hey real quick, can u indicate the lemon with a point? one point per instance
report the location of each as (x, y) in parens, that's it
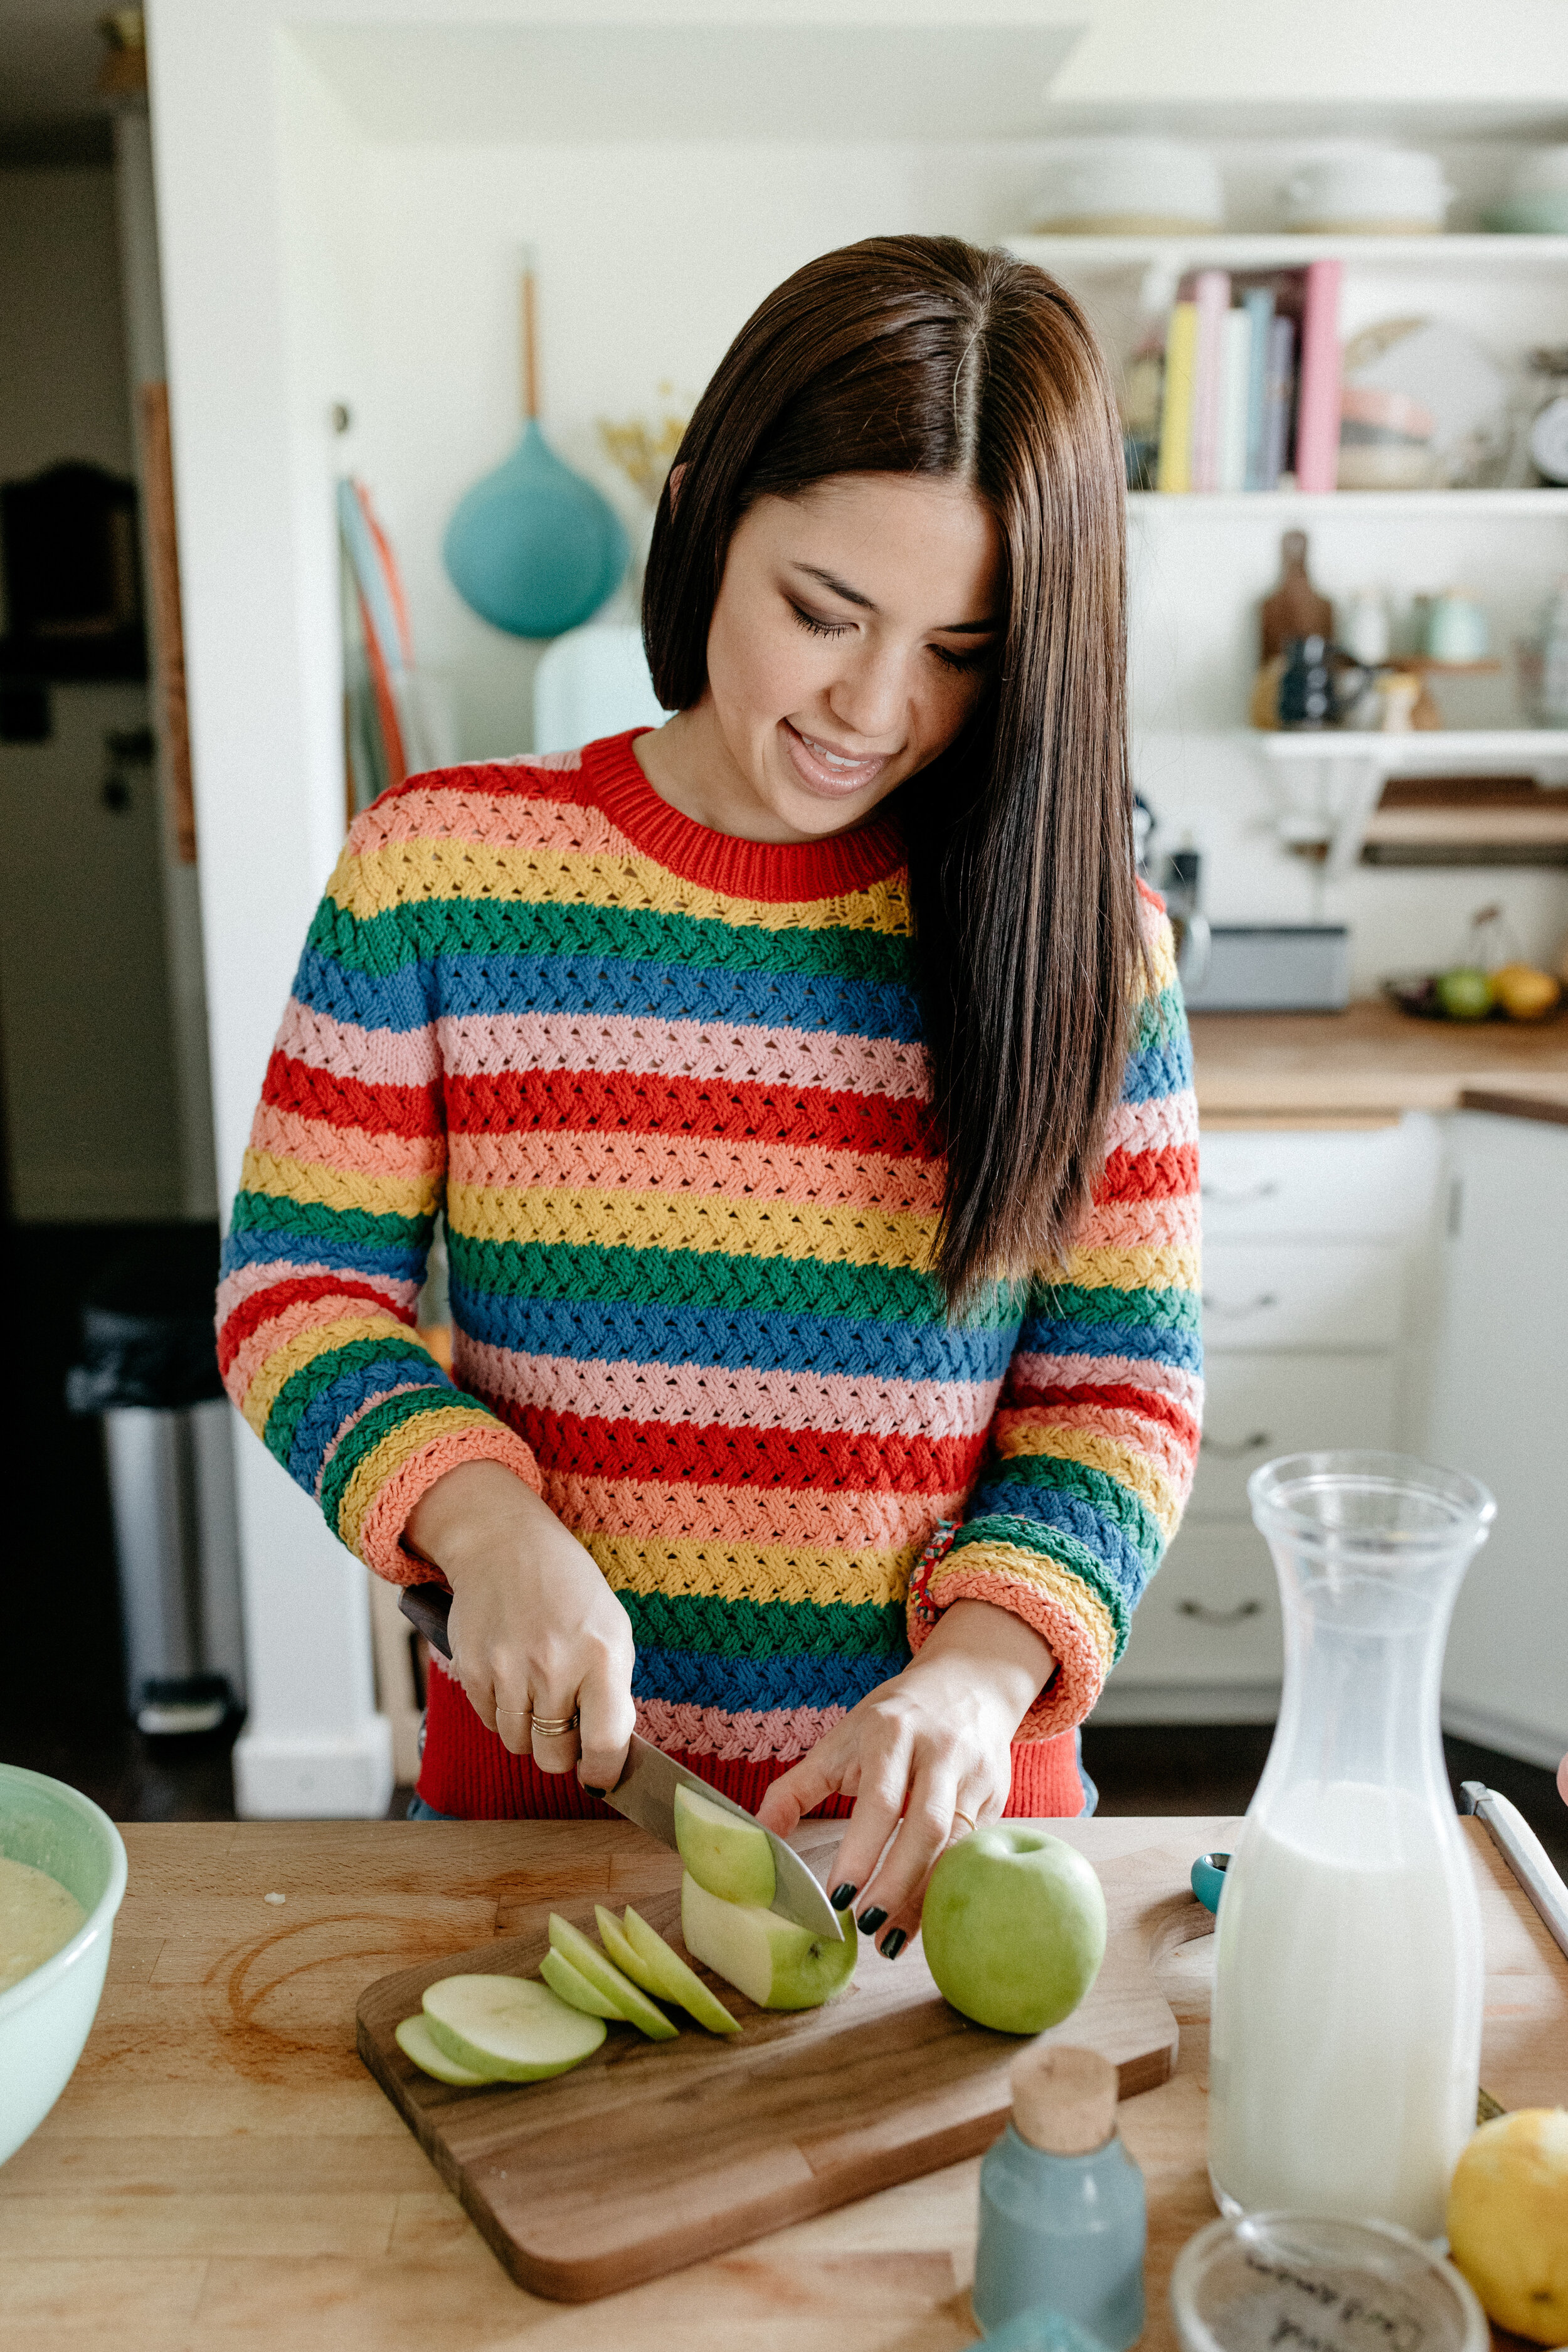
(1508, 2221)
(1524, 993)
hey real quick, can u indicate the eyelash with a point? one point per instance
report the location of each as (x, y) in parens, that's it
(841, 628)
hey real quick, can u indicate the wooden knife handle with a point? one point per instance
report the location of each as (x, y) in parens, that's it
(428, 1608)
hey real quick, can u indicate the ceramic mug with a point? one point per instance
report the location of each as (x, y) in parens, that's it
(1457, 628)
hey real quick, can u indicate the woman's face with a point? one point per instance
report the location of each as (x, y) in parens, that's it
(852, 637)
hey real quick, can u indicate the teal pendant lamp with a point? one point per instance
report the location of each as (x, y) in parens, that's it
(534, 548)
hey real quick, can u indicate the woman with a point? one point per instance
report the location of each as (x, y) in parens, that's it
(808, 1092)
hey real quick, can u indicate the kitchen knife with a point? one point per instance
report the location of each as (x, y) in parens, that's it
(1523, 1852)
(645, 1793)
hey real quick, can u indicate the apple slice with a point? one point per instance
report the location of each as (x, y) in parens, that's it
(570, 1985)
(631, 2001)
(416, 2041)
(770, 1959)
(660, 1970)
(507, 2030)
(727, 1857)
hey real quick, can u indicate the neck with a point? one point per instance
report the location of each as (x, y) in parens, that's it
(689, 764)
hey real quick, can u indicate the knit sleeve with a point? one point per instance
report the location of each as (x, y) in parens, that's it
(326, 1249)
(1096, 1434)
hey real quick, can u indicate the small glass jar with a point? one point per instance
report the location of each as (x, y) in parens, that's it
(1345, 2286)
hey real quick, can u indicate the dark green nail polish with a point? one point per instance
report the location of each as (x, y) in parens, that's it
(871, 1920)
(892, 1945)
(842, 1896)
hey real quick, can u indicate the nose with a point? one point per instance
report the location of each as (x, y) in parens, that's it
(868, 696)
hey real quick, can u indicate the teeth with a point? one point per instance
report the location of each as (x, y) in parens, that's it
(834, 759)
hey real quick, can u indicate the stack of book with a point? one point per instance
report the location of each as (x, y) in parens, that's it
(1251, 387)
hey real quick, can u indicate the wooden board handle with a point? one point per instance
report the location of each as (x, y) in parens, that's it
(530, 350)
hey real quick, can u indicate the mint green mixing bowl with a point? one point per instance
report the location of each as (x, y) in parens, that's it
(45, 2019)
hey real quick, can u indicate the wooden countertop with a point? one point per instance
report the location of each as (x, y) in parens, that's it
(1368, 1066)
(222, 2172)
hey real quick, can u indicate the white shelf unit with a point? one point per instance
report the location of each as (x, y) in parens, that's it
(1217, 249)
(1293, 506)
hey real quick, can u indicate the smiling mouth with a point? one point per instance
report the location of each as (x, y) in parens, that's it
(824, 769)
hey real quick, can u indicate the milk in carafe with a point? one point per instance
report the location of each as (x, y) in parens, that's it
(1347, 2021)
(1347, 2008)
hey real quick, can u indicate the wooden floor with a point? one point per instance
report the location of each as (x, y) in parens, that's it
(63, 1706)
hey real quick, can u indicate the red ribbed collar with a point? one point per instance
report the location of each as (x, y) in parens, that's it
(777, 871)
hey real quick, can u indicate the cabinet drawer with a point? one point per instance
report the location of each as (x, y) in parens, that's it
(1338, 1186)
(1211, 1615)
(1259, 1406)
(1301, 1295)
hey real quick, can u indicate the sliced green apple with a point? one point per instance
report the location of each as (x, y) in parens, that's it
(630, 1999)
(416, 2041)
(661, 1970)
(508, 2030)
(770, 1959)
(727, 1857)
(570, 1985)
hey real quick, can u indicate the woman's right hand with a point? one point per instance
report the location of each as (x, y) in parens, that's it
(535, 1630)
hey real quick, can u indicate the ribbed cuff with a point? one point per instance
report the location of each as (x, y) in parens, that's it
(380, 1542)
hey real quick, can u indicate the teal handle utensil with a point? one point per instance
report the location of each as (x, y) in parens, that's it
(534, 548)
(1208, 1878)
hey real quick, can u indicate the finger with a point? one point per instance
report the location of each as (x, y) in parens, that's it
(925, 1833)
(512, 1726)
(817, 1776)
(555, 1751)
(481, 1697)
(607, 1721)
(884, 1780)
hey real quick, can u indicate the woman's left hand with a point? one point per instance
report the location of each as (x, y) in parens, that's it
(926, 1757)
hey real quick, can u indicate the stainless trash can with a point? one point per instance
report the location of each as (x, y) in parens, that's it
(148, 1371)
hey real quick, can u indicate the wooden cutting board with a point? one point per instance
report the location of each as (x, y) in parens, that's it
(653, 2155)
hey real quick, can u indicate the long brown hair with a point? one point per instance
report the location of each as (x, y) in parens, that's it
(925, 355)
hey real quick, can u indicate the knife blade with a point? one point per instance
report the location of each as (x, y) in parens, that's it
(645, 1793)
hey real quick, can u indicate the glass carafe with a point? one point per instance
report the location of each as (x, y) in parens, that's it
(1348, 1977)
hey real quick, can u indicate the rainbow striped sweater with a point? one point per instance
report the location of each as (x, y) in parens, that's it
(670, 1090)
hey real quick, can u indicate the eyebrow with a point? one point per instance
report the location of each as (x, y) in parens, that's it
(853, 597)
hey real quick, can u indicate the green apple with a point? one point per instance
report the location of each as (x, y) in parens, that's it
(415, 2040)
(508, 2030)
(659, 1969)
(630, 2001)
(770, 1959)
(1466, 993)
(1014, 1928)
(730, 1858)
(570, 1985)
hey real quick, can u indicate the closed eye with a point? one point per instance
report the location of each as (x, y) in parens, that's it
(976, 660)
(809, 622)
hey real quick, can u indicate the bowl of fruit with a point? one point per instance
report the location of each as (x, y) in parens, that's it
(1487, 981)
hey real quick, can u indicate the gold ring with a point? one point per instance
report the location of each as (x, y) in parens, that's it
(554, 1726)
(962, 1817)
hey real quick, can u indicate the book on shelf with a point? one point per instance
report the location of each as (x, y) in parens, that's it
(1252, 380)
(1257, 302)
(1318, 394)
(1211, 298)
(1174, 469)
(1236, 372)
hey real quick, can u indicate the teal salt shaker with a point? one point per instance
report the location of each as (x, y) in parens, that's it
(1062, 2218)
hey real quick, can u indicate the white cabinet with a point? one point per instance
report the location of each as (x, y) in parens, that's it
(1500, 1410)
(1317, 1262)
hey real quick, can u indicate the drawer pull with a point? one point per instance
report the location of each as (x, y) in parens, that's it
(1241, 1196)
(1207, 1616)
(1253, 1444)
(1265, 1299)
